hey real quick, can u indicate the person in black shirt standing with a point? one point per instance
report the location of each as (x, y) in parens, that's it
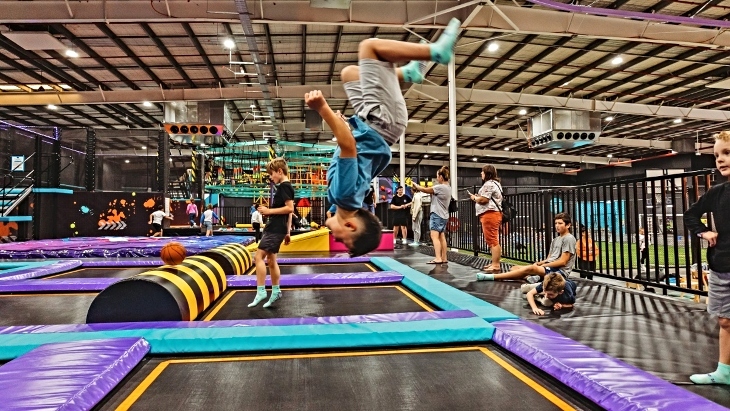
(277, 231)
(714, 201)
(401, 203)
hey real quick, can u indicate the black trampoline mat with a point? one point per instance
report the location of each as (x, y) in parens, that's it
(318, 302)
(321, 268)
(44, 309)
(102, 272)
(470, 378)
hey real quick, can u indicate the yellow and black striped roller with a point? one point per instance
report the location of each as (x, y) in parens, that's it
(171, 293)
(234, 258)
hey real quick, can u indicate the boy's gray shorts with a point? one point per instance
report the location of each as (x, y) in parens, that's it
(719, 294)
(377, 98)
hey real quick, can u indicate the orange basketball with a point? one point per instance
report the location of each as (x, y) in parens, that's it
(173, 253)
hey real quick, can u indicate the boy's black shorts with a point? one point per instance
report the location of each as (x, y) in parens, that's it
(271, 242)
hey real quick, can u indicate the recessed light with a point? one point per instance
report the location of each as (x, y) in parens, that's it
(617, 60)
(677, 120)
(71, 53)
(493, 46)
(506, 149)
(126, 161)
(52, 107)
(229, 44)
(523, 112)
(144, 147)
(609, 118)
(147, 104)
(610, 155)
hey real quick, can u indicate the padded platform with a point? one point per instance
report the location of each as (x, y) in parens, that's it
(61, 284)
(35, 269)
(69, 375)
(442, 295)
(608, 382)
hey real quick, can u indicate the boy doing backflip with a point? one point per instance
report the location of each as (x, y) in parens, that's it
(380, 119)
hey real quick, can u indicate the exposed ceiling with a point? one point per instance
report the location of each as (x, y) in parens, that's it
(135, 51)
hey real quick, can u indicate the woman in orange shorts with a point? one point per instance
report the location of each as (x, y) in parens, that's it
(488, 203)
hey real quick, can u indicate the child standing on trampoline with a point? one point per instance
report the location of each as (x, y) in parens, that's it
(380, 120)
(714, 201)
(276, 232)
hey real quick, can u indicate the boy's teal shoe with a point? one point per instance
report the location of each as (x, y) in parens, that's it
(443, 48)
(273, 299)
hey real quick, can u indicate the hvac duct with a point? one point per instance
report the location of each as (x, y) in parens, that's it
(558, 128)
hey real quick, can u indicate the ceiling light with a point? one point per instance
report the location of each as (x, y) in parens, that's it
(523, 112)
(517, 162)
(126, 161)
(147, 104)
(72, 53)
(555, 152)
(253, 105)
(144, 147)
(425, 156)
(677, 120)
(609, 118)
(617, 60)
(448, 144)
(566, 83)
(496, 117)
(506, 149)
(562, 165)
(334, 138)
(674, 152)
(474, 159)
(229, 43)
(493, 46)
(52, 107)
(698, 153)
(171, 160)
(610, 155)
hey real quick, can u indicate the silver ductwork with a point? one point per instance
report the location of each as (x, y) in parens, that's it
(559, 128)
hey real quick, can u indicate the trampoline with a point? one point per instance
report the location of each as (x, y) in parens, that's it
(100, 272)
(319, 302)
(49, 309)
(454, 378)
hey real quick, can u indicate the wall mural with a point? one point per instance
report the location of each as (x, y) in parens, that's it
(106, 214)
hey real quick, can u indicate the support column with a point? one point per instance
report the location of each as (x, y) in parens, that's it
(90, 160)
(54, 166)
(402, 165)
(163, 162)
(200, 176)
(453, 163)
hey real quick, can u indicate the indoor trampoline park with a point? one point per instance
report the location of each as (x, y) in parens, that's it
(521, 211)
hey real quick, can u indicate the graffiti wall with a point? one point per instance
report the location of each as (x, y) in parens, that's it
(101, 214)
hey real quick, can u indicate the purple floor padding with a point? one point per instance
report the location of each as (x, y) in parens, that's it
(345, 319)
(60, 284)
(35, 272)
(123, 262)
(323, 260)
(367, 277)
(610, 383)
(112, 247)
(68, 376)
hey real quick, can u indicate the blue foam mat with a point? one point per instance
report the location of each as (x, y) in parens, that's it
(442, 295)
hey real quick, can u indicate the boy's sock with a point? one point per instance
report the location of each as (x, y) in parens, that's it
(443, 48)
(414, 71)
(275, 295)
(260, 296)
(720, 376)
(485, 277)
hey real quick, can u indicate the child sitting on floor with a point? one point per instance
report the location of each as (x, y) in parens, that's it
(558, 293)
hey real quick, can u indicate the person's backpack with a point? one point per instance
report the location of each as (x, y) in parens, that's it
(453, 207)
(509, 212)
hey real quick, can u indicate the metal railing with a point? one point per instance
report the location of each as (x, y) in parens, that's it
(612, 214)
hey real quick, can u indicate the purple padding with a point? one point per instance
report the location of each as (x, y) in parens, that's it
(345, 319)
(367, 277)
(124, 262)
(68, 376)
(35, 272)
(60, 284)
(610, 383)
(112, 247)
(324, 260)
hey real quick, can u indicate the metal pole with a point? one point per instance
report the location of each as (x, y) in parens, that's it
(452, 129)
(402, 165)
(90, 160)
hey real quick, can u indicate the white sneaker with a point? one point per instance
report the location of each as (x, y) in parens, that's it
(414, 244)
(405, 241)
(525, 288)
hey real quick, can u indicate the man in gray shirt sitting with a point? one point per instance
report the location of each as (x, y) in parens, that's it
(560, 258)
